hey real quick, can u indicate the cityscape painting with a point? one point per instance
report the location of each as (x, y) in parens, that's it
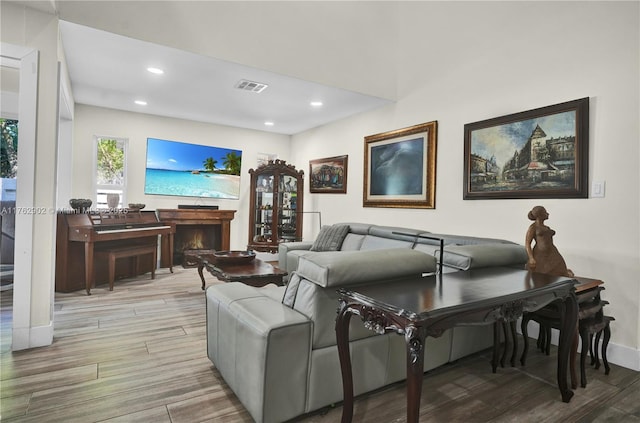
(540, 153)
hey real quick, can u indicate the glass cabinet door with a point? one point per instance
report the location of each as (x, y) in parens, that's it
(287, 201)
(263, 212)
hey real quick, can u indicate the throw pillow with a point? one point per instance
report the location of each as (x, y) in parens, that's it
(330, 238)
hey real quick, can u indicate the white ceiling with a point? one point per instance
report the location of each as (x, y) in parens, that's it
(109, 70)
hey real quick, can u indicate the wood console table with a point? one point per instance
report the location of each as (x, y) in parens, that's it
(421, 307)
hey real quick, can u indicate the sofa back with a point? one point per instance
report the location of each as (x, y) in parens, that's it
(460, 252)
(374, 237)
(312, 289)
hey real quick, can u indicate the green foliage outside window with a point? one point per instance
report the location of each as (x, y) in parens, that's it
(110, 162)
(9, 148)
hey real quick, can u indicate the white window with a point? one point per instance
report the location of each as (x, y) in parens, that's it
(110, 165)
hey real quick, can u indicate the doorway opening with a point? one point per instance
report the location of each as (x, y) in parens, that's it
(10, 87)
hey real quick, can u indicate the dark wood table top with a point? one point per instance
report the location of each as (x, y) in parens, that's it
(251, 269)
(586, 283)
(234, 271)
(425, 298)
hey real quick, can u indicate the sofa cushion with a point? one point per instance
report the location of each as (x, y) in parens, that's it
(371, 242)
(338, 268)
(330, 238)
(352, 242)
(465, 257)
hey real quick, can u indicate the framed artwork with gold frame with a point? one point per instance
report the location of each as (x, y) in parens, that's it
(400, 168)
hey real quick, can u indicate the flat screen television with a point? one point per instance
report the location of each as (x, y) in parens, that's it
(192, 170)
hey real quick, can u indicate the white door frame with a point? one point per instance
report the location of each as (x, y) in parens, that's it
(25, 191)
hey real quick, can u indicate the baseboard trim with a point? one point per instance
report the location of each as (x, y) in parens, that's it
(38, 336)
(620, 355)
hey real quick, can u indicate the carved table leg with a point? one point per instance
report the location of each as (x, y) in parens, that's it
(605, 343)
(547, 339)
(514, 338)
(496, 345)
(342, 338)
(584, 334)
(568, 327)
(524, 327)
(506, 342)
(593, 349)
(415, 371)
(572, 361)
(200, 267)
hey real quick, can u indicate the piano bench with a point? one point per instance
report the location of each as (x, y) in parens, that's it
(112, 254)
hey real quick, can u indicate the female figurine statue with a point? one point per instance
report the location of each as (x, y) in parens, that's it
(544, 256)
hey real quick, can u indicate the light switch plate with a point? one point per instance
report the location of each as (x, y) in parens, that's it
(597, 189)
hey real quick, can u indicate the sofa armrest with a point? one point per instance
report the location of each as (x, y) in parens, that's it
(261, 348)
(285, 247)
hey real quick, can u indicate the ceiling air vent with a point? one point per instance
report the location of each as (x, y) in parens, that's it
(254, 87)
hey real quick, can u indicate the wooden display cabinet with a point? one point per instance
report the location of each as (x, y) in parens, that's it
(276, 205)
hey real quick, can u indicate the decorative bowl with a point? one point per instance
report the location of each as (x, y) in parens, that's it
(136, 206)
(234, 257)
(80, 203)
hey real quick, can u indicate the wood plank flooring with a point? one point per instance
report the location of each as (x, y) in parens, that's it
(138, 354)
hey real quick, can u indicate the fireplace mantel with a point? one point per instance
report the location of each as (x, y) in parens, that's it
(182, 217)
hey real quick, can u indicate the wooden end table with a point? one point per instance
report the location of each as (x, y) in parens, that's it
(254, 273)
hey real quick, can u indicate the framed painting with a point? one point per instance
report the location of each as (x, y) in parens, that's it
(540, 153)
(400, 168)
(328, 175)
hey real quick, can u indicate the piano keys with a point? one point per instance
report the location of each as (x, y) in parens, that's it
(79, 235)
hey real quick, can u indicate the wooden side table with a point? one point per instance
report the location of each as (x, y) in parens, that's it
(591, 321)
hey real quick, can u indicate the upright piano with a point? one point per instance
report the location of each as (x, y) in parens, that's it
(80, 234)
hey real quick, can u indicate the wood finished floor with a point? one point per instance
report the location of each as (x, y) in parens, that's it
(138, 354)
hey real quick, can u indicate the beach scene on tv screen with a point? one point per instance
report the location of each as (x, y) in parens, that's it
(192, 170)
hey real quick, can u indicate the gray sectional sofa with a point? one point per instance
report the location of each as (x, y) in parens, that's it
(460, 252)
(275, 346)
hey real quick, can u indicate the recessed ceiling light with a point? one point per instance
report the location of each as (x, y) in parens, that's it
(157, 71)
(141, 102)
(316, 104)
(269, 123)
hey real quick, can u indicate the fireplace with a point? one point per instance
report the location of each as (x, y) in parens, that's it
(196, 229)
(195, 237)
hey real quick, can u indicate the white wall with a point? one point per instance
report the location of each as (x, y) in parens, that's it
(464, 62)
(90, 121)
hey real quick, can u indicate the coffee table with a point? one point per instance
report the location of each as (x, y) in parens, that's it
(254, 273)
